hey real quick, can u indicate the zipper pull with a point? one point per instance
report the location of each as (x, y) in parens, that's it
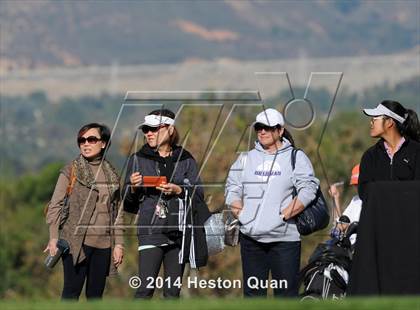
(392, 170)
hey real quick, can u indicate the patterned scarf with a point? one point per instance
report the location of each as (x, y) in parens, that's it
(84, 174)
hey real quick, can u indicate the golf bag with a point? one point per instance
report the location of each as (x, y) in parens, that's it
(326, 275)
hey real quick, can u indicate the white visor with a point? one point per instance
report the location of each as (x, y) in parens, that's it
(383, 110)
(156, 120)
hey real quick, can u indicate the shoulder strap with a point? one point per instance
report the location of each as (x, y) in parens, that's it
(72, 181)
(293, 157)
(69, 188)
(293, 162)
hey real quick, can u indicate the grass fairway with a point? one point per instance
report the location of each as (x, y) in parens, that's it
(224, 304)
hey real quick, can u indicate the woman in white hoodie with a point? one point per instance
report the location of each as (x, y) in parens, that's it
(259, 191)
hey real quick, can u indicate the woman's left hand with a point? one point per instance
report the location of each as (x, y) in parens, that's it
(293, 209)
(170, 189)
(118, 255)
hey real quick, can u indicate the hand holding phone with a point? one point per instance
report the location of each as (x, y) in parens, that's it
(169, 188)
(154, 181)
(136, 179)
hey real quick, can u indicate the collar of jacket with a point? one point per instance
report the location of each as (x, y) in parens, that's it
(178, 153)
(85, 175)
(286, 145)
(380, 144)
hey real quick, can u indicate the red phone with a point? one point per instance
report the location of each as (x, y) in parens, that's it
(154, 181)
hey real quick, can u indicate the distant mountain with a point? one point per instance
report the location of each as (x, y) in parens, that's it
(45, 33)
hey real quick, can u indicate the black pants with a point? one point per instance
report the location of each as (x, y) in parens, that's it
(94, 269)
(258, 259)
(150, 261)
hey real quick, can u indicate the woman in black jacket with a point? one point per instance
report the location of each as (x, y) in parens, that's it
(166, 209)
(396, 156)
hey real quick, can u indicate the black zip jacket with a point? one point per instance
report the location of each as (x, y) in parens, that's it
(377, 166)
(153, 230)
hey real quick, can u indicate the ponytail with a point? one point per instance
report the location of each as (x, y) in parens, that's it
(288, 136)
(411, 126)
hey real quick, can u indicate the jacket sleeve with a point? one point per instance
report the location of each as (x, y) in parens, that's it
(56, 202)
(234, 183)
(198, 198)
(119, 229)
(417, 176)
(304, 179)
(131, 196)
(365, 176)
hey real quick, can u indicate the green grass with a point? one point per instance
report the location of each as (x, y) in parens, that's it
(225, 304)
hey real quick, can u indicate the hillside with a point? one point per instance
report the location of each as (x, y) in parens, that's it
(74, 33)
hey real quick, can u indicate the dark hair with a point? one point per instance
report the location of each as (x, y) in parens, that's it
(103, 130)
(411, 127)
(174, 138)
(287, 135)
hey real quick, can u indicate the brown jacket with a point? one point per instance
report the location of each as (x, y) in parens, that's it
(82, 202)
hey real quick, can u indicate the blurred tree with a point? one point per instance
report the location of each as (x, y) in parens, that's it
(31, 150)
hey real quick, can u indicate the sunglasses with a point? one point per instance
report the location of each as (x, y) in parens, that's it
(375, 118)
(90, 140)
(146, 129)
(259, 127)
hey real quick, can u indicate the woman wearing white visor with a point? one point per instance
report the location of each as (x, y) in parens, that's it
(160, 187)
(396, 156)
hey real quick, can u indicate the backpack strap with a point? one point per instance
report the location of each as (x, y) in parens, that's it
(293, 157)
(293, 162)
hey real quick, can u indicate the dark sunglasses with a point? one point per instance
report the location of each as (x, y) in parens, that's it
(259, 127)
(146, 129)
(90, 140)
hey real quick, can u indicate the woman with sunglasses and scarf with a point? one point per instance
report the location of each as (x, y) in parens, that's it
(396, 156)
(259, 191)
(86, 222)
(161, 185)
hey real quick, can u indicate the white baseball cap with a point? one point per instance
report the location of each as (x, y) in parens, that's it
(383, 110)
(156, 120)
(270, 117)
